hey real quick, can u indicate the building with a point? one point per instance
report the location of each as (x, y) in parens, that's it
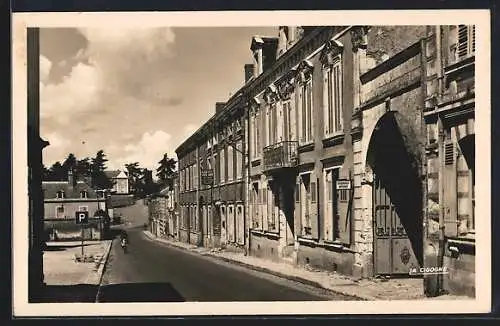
(343, 129)
(450, 159)
(120, 181)
(35, 163)
(162, 214)
(62, 199)
(211, 179)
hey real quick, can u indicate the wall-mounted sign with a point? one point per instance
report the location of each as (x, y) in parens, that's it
(343, 184)
(207, 177)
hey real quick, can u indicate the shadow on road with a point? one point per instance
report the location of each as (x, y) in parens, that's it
(63, 247)
(67, 293)
(139, 292)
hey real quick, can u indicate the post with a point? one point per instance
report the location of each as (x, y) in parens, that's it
(82, 243)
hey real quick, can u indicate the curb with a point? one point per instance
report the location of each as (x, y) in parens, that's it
(102, 267)
(269, 271)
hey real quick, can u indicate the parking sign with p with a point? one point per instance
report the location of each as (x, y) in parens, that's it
(82, 217)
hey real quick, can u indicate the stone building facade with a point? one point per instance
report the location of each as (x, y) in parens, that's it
(450, 159)
(62, 199)
(344, 128)
(211, 180)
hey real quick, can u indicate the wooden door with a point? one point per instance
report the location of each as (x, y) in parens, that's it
(393, 251)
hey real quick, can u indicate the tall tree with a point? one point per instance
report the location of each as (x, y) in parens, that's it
(84, 167)
(70, 162)
(98, 166)
(166, 171)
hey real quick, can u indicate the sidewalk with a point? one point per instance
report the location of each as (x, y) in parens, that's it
(70, 280)
(393, 289)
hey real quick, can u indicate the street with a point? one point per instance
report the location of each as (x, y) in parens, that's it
(155, 272)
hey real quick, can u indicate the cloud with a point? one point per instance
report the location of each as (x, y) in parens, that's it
(45, 66)
(147, 151)
(117, 65)
(58, 148)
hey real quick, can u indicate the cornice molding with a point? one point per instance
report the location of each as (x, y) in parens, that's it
(304, 71)
(330, 51)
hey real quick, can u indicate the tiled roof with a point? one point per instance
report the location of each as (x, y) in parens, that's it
(112, 173)
(50, 189)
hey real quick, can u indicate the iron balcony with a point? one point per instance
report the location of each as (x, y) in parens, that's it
(280, 155)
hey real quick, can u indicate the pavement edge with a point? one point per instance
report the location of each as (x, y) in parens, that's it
(268, 271)
(102, 267)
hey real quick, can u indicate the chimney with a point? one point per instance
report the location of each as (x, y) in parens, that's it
(71, 178)
(264, 52)
(219, 106)
(248, 72)
(282, 40)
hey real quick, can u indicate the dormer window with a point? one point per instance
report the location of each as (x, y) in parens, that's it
(83, 194)
(60, 194)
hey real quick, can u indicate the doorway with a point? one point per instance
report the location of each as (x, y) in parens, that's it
(396, 198)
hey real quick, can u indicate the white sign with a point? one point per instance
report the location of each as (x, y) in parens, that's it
(343, 184)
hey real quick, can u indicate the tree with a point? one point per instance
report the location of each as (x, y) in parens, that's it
(98, 166)
(84, 167)
(46, 173)
(70, 162)
(166, 171)
(134, 175)
(57, 172)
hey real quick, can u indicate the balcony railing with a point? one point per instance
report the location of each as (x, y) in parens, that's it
(281, 155)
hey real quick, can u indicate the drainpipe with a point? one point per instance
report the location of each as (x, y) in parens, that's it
(246, 157)
(439, 60)
(441, 205)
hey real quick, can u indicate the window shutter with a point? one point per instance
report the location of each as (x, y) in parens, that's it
(462, 40)
(297, 213)
(313, 213)
(450, 190)
(344, 200)
(263, 208)
(328, 218)
(473, 38)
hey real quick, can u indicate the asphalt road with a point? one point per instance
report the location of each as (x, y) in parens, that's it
(155, 272)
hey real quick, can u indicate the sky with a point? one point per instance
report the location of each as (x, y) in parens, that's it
(138, 93)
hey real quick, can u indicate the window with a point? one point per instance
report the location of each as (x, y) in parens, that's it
(255, 135)
(60, 194)
(289, 121)
(195, 176)
(60, 211)
(332, 98)
(83, 194)
(273, 209)
(239, 159)
(230, 163)
(255, 199)
(272, 124)
(216, 168)
(222, 166)
(466, 45)
(305, 112)
(305, 204)
(331, 213)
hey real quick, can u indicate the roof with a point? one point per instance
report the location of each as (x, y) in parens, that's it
(51, 188)
(115, 201)
(112, 173)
